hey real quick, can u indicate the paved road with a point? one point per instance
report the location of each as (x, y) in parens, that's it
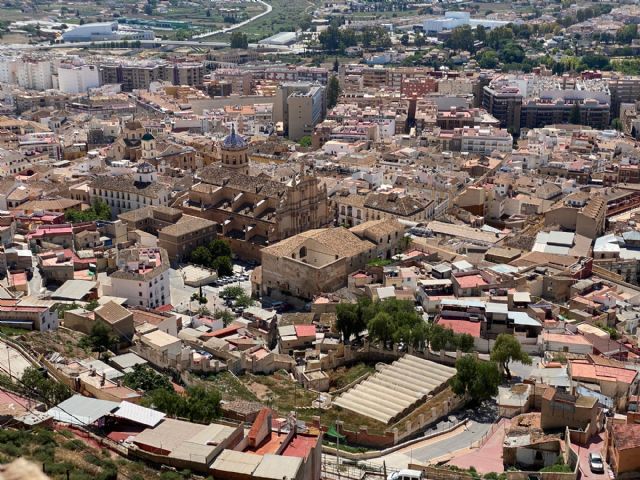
(596, 445)
(481, 420)
(237, 25)
(143, 44)
(11, 361)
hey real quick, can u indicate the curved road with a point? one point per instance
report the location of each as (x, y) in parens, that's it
(238, 25)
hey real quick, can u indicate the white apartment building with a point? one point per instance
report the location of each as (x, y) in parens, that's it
(485, 140)
(35, 74)
(130, 192)
(142, 277)
(9, 70)
(77, 78)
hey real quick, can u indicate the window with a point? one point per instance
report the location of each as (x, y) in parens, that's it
(139, 294)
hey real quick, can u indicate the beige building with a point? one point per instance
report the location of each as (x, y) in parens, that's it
(355, 209)
(254, 211)
(177, 233)
(584, 214)
(320, 260)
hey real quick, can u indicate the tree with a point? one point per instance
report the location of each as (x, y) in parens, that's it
(626, 34)
(419, 40)
(225, 315)
(219, 248)
(380, 327)
(232, 292)
(479, 380)
(617, 124)
(346, 319)
(481, 33)
(305, 141)
(574, 116)
(98, 211)
(200, 256)
(506, 350)
(92, 305)
(333, 92)
(101, 338)
(239, 40)
(144, 378)
(208, 12)
(223, 266)
(36, 382)
(404, 39)
(148, 9)
(336, 65)
(198, 405)
(461, 38)
(488, 59)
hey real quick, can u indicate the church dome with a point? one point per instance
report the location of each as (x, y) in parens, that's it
(147, 137)
(233, 140)
(145, 167)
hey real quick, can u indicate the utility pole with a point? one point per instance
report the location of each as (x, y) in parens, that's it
(337, 450)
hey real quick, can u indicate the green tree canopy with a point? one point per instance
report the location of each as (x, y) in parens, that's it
(98, 211)
(507, 349)
(239, 40)
(198, 405)
(100, 339)
(36, 383)
(461, 38)
(333, 91)
(479, 380)
(145, 378)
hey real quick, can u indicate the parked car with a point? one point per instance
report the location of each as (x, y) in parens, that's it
(595, 463)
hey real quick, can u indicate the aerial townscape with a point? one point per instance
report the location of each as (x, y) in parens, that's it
(305, 240)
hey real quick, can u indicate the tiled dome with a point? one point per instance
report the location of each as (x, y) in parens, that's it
(234, 140)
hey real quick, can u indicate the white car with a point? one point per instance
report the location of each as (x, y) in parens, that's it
(406, 475)
(596, 464)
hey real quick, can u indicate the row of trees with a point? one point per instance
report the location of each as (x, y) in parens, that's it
(239, 40)
(335, 39)
(396, 322)
(216, 255)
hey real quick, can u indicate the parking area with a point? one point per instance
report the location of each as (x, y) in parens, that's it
(181, 294)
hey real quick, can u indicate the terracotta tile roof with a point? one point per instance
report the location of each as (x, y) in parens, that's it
(626, 436)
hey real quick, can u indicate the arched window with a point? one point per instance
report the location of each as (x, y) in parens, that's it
(303, 252)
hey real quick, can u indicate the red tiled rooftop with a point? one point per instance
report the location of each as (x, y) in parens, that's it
(223, 332)
(566, 338)
(471, 281)
(461, 326)
(305, 330)
(300, 446)
(626, 436)
(583, 369)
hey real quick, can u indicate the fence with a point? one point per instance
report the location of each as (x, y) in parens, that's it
(487, 435)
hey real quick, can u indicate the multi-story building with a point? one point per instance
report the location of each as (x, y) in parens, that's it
(534, 102)
(142, 277)
(177, 233)
(356, 209)
(34, 74)
(77, 78)
(130, 192)
(309, 108)
(306, 109)
(140, 75)
(480, 140)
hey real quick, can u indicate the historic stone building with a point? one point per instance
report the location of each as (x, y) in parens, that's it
(254, 211)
